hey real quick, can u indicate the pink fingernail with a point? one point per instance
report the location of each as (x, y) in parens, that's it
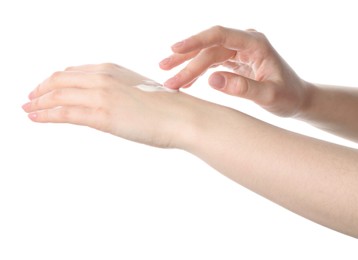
(33, 116)
(26, 106)
(165, 61)
(178, 44)
(172, 82)
(217, 81)
(32, 95)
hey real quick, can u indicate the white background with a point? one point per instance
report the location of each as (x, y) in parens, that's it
(69, 192)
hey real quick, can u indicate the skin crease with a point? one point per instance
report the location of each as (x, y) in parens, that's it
(264, 158)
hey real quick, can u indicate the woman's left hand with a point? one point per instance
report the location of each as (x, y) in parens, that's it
(103, 97)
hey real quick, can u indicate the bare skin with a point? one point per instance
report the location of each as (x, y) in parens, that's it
(261, 75)
(266, 159)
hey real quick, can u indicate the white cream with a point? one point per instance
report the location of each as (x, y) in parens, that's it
(152, 86)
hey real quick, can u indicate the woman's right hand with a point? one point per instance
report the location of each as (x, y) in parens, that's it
(258, 71)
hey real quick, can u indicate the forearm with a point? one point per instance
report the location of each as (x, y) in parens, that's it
(333, 109)
(315, 179)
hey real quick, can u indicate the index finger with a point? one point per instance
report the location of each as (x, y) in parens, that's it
(217, 35)
(65, 79)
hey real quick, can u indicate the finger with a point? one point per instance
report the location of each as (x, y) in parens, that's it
(66, 79)
(231, 65)
(241, 69)
(66, 97)
(176, 59)
(199, 65)
(189, 84)
(73, 115)
(94, 67)
(236, 85)
(84, 67)
(217, 35)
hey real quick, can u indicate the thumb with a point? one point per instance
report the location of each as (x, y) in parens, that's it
(236, 85)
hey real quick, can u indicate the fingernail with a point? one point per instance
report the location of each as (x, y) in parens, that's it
(31, 95)
(33, 116)
(172, 82)
(26, 106)
(165, 61)
(217, 81)
(178, 44)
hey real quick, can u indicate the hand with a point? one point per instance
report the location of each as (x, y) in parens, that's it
(103, 97)
(259, 73)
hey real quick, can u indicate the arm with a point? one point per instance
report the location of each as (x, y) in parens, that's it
(315, 179)
(333, 109)
(260, 74)
(312, 178)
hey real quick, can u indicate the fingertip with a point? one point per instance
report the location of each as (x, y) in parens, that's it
(165, 64)
(183, 47)
(172, 83)
(178, 45)
(217, 81)
(31, 96)
(26, 106)
(188, 85)
(170, 86)
(33, 116)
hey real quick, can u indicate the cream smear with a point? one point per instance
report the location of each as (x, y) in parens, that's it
(152, 86)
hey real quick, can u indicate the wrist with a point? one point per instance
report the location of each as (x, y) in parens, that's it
(184, 116)
(194, 122)
(308, 100)
(208, 125)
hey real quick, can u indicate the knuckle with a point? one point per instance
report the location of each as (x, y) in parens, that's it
(108, 66)
(218, 29)
(260, 38)
(70, 68)
(105, 123)
(35, 104)
(102, 94)
(219, 32)
(240, 87)
(57, 95)
(105, 66)
(104, 77)
(44, 116)
(102, 113)
(251, 30)
(187, 72)
(56, 75)
(261, 43)
(64, 114)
